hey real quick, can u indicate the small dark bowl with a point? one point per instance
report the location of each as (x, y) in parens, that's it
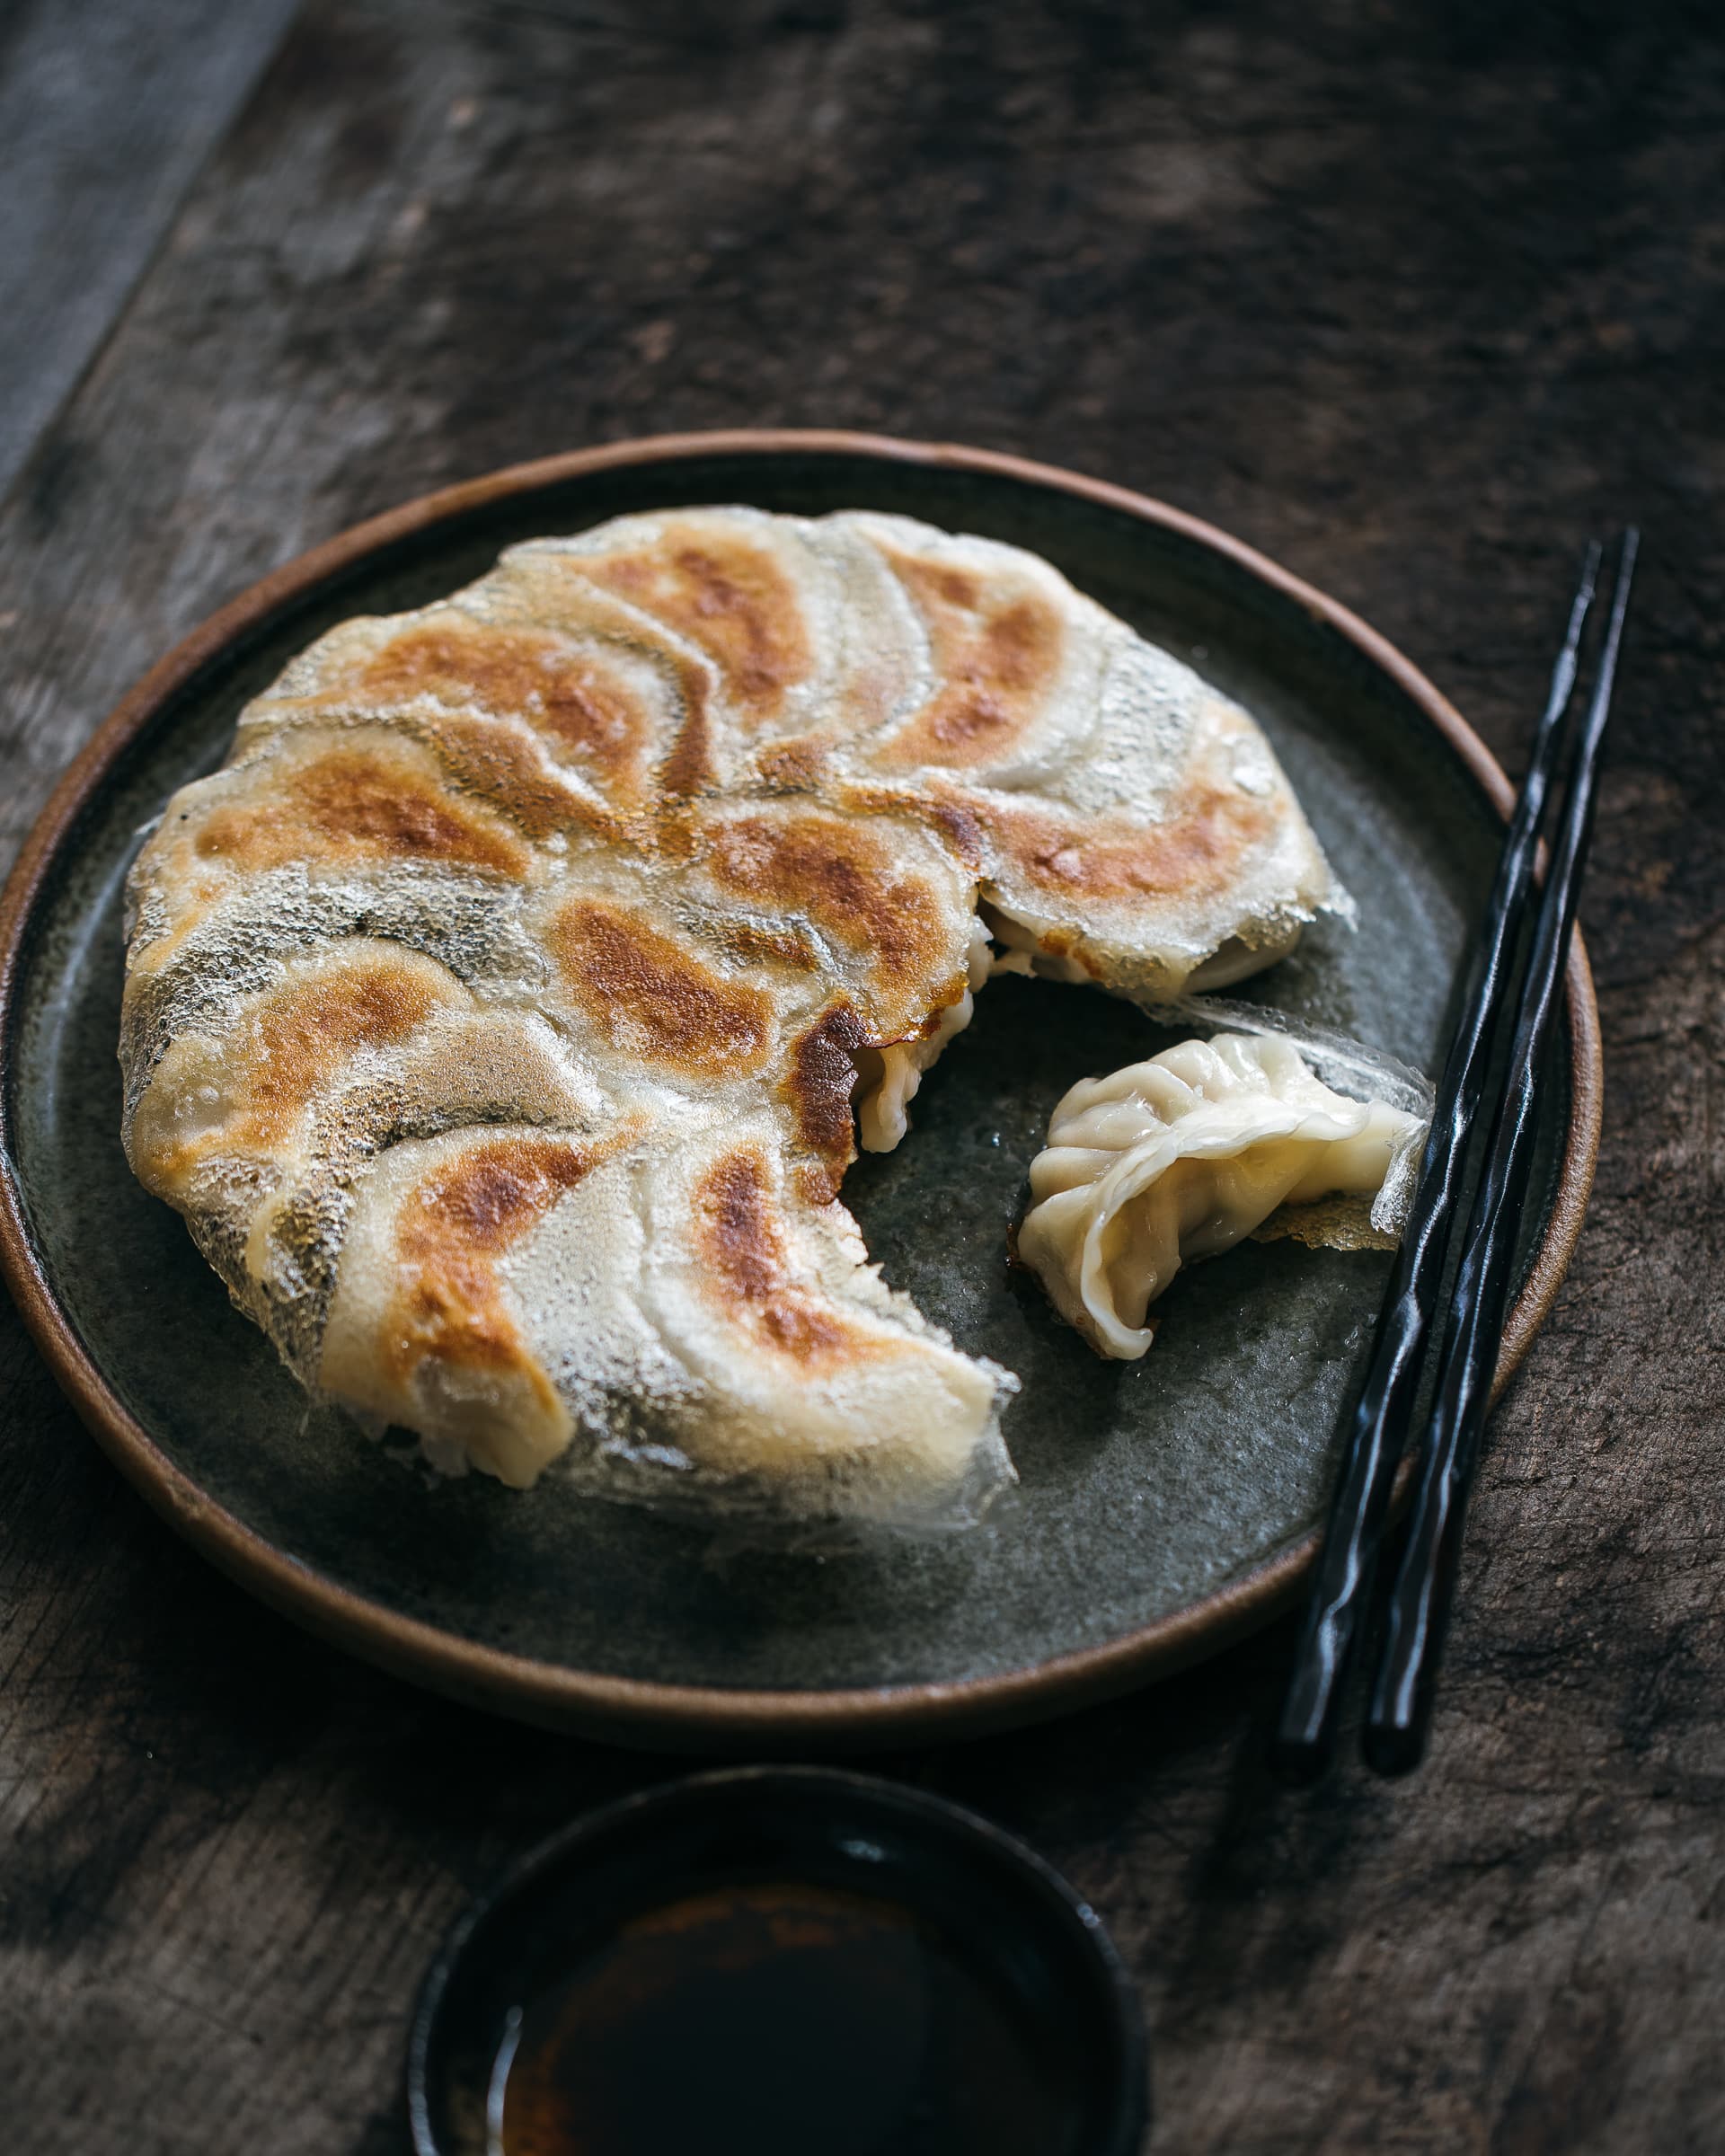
(779, 1959)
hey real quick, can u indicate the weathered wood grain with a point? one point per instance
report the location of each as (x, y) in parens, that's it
(106, 114)
(1413, 305)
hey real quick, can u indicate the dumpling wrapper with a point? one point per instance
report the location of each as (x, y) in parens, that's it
(728, 1335)
(1179, 1157)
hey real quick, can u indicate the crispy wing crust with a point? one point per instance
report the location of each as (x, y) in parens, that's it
(500, 1015)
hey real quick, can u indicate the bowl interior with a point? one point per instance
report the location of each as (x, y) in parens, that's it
(772, 1961)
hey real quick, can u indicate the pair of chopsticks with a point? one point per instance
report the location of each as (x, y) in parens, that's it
(1417, 1609)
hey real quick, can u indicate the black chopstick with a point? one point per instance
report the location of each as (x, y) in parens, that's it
(1418, 1610)
(1305, 1734)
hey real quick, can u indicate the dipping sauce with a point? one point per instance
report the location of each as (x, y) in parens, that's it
(776, 2018)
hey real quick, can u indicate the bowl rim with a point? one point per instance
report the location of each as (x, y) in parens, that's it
(640, 1712)
(1040, 1884)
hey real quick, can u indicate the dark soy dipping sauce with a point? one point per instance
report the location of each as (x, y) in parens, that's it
(780, 2017)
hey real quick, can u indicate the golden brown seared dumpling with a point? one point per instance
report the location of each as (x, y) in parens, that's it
(667, 1294)
(500, 1015)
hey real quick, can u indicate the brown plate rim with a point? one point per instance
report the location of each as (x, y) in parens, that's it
(698, 1717)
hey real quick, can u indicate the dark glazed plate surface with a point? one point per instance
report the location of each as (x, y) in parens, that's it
(1164, 1506)
(692, 1942)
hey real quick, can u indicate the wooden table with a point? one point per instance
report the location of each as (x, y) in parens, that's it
(1413, 307)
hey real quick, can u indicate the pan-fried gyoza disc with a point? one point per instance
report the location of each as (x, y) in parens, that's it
(502, 1014)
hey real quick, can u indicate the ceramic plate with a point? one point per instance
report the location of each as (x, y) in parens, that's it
(1164, 1506)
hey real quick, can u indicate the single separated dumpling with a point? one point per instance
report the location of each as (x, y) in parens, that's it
(1177, 1158)
(503, 1014)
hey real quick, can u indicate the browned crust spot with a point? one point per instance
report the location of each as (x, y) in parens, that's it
(558, 689)
(997, 657)
(356, 804)
(792, 766)
(576, 599)
(755, 945)
(674, 831)
(502, 766)
(689, 768)
(729, 597)
(958, 827)
(817, 1089)
(310, 1029)
(944, 999)
(1196, 854)
(651, 997)
(297, 1038)
(451, 1232)
(840, 877)
(746, 1268)
(571, 693)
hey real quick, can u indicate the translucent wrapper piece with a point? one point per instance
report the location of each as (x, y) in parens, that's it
(1350, 1066)
(1177, 1158)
